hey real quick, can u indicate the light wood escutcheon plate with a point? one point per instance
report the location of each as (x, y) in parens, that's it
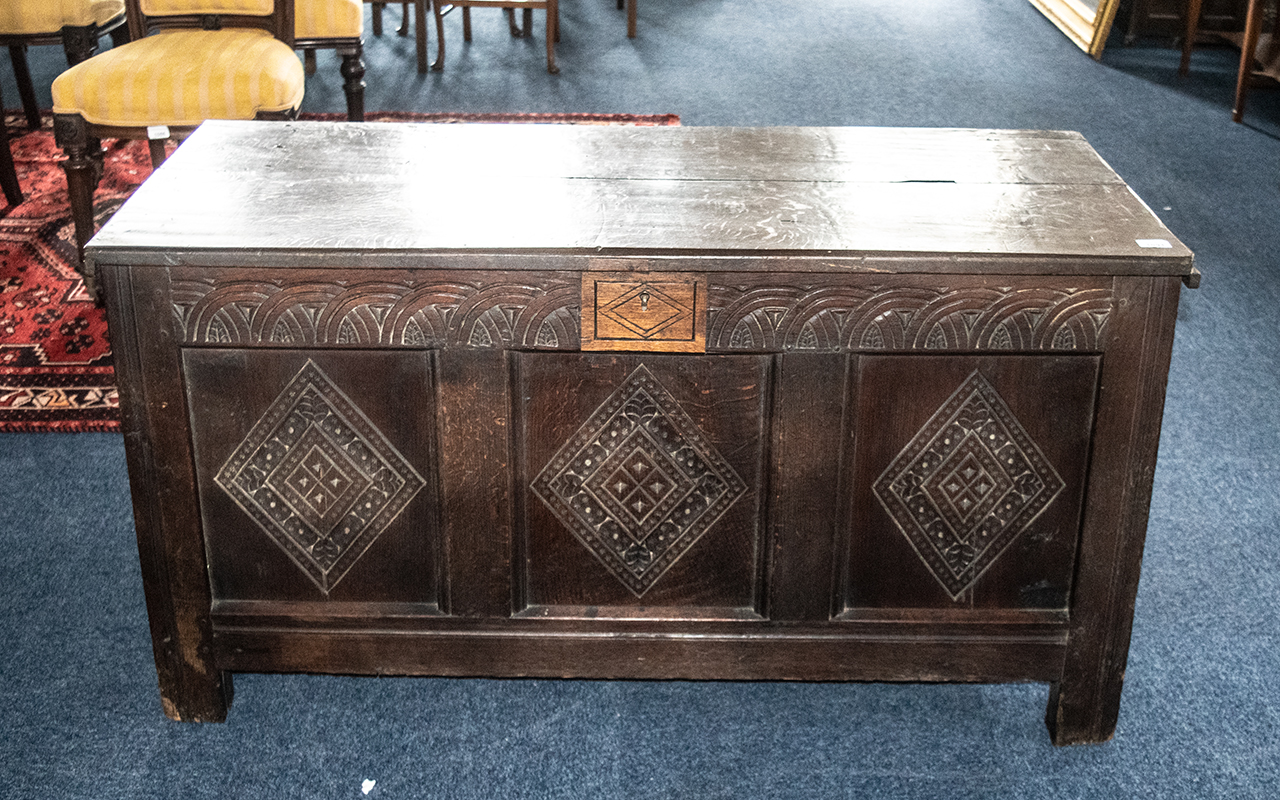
(628, 312)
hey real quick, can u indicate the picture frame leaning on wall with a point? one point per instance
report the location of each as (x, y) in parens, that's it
(1085, 22)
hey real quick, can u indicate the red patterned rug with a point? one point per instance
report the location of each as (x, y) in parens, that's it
(55, 358)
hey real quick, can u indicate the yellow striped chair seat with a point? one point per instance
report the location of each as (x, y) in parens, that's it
(328, 19)
(183, 77)
(51, 16)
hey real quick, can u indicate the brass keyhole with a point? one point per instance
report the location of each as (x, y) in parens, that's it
(644, 300)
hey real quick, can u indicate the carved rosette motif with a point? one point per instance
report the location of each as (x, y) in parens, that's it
(966, 485)
(638, 484)
(318, 477)
(846, 318)
(386, 314)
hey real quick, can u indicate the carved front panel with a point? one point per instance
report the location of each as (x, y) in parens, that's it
(967, 479)
(643, 478)
(318, 477)
(317, 474)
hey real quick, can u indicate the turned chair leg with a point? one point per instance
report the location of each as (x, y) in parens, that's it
(9, 175)
(26, 89)
(438, 64)
(83, 169)
(156, 149)
(525, 28)
(420, 33)
(553, 24)
(352, 70)
(516, 31)
(8, 172)
(1252, 27)
(309, 61)
(1189, 37)
(377, 18)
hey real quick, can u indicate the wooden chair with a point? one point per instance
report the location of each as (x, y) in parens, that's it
(552, 8)
(419, 25)
(8, 173)
(339, 25)
(75, 24)
(335, 25)
(203, 59)
(1248, 48)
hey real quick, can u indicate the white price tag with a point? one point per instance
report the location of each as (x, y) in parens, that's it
(1160, 243)
(157, 132)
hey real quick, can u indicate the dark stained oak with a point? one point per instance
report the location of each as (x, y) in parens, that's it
(845, 194)
(724, 398)
(766, 404)
(405, 568)
(170, 545)
(1051, 396)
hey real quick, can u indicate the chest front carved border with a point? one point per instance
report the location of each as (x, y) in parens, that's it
(887, 317)
(410, 313)
(542, 312)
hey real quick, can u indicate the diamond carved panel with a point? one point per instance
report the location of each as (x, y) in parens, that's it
(966, 485)
(638, 483)
(318, 477)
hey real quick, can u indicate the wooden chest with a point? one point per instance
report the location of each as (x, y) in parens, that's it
(800, 404)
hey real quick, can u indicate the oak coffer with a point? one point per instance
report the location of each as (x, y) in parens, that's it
(618, 402)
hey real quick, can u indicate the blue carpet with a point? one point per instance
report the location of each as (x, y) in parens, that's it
(1200, 715)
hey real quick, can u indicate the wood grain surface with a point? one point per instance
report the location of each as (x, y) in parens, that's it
(380, 190)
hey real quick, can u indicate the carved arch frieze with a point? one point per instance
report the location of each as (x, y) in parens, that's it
(388, 314)
(845, 318)
(414, 313)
